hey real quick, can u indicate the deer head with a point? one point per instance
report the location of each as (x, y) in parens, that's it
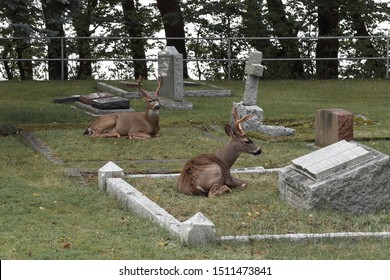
(153, 103)
(240, 142)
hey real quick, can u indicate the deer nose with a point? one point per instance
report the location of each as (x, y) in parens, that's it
(258, 152)
(157, 107)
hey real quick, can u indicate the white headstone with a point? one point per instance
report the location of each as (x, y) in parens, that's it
(170, 67)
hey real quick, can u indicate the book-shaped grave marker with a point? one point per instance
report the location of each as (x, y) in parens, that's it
(331, 159)
(344, 176)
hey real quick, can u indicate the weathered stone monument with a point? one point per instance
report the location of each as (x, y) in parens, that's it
(333, 125)
(344, 176)
(254, 71)
(170, 67)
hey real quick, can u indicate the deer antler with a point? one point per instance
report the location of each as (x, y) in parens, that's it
(238, 121)
(160, 83)
(142, 91)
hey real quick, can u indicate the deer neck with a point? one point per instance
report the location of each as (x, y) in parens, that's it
(228, 155)
(152, 116)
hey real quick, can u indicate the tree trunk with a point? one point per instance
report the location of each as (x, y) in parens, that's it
(18, 15)
(81, 22)
(134, 27)
(375, 67)
(284, 28)
(328, 21)
(5, 55)
(25, 66)
(56, 47)
(173, 22)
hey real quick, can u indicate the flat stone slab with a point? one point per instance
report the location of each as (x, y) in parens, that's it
(129, 84)
(115, 102)
(348, 177)
(208, 93)
(103, 87)
(331, 159)
(98, 112)
(38, 145)
(176, 105)
(89, 98)
(67, 99)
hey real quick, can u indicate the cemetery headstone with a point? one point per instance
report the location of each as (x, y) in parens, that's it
(101, 103)
(344, 176)
(115, 102)
(170, 67)
(254, 71)
(333, 125)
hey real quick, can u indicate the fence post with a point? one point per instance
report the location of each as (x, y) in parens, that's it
(387, 56)
(229, 59)
(62, 59)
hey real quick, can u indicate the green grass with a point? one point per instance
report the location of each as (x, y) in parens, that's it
(45, 214)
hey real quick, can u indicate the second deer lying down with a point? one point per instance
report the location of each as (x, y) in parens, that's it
(141, 125)
(209, 174)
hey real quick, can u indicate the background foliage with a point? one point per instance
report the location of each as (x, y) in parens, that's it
(32, 25)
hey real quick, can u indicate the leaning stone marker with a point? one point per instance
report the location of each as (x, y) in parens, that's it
(333, 125)
(254, 71)
(344, 176)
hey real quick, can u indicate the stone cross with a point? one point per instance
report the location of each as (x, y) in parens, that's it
(254, 70)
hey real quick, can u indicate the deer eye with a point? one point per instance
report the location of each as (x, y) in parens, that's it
(248, 141)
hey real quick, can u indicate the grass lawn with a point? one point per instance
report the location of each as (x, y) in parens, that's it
(45, 214)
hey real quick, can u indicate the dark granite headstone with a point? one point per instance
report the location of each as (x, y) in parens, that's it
(89, 98)
(109, 103)
(68, 99)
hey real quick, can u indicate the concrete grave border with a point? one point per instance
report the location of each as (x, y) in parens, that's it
(197, 230)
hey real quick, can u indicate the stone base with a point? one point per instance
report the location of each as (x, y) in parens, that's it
(256, 122)
(341, 178)
(208, 93)
(178, 105)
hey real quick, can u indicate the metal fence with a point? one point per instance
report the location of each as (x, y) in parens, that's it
(104, 60)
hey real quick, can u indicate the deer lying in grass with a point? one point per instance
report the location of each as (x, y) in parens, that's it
(142, 125)
(209, 174)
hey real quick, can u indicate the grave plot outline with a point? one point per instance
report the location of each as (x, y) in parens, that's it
(246, 238)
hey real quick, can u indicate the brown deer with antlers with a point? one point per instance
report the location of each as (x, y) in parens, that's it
(209, 174)
(142, 125)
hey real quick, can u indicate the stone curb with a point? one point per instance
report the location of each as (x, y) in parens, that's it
(196, 230)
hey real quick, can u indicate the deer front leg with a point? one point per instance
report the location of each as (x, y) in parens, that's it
(109, 134)
(139, 135)
(235, 183)
(217, 190)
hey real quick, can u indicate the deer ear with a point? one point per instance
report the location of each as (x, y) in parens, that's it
(229, 130)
